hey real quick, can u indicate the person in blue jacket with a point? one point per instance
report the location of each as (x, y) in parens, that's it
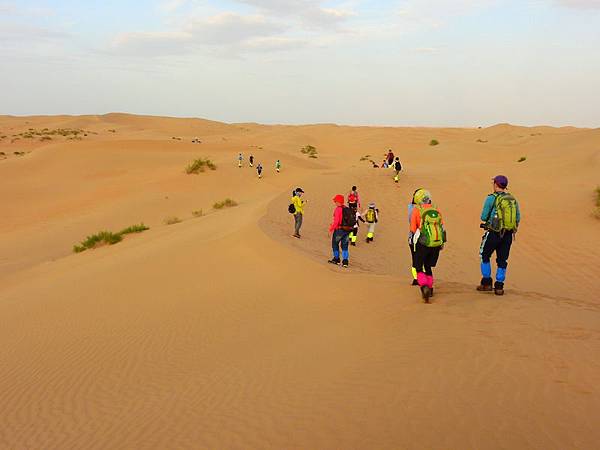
(501, 216)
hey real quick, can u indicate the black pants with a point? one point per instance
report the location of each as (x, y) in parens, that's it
(495, 242)
(425, 258)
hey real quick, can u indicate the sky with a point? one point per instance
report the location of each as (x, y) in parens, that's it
(379, 62)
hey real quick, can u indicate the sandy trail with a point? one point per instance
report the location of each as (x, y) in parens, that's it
(223, 332)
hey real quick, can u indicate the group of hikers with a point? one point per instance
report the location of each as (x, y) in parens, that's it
(259, 167)
(390, 161)
(500, 219)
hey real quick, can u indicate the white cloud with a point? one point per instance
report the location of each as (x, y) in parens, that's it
(580, 4)
(311, 12)
(19, 32)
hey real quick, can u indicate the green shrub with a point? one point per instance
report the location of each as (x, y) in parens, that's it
(107, 238)
(172, 220)
(98, 239)
(522, 158)
(134, 229)
(227, 203)
(198, 213)
(200, 165)
(309, 150)
(434, 142)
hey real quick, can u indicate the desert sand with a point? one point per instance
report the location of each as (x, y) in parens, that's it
(224, 332)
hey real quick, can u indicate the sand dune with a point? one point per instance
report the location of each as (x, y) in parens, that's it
(223, 332)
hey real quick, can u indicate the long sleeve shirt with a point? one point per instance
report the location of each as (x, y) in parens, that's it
(298, 204)
(337, 219)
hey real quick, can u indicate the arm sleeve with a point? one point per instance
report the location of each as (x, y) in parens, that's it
(518, 214)
(415, 220)
(488, 205)
(337, 219)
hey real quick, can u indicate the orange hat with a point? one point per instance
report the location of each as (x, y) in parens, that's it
(339, 199)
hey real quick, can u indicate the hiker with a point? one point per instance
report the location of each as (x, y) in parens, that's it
(375, 165)
(240, 159)
(397, 168)
(411, 206)
(354, 233)
(427, 226)
(297, 209)
(501, 217)
(259, 170)
(339, 230)
(277, 166)
(390, 157)
(371, 217)
(384, 164)
(251, 159)
(354, 198)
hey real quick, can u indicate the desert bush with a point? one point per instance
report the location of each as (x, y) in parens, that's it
(112, 131)
(172, 220)
(481, 141)
(98, 239)
(200, 165)
(198, 213)
(227, 203)
(107, 238)
(309, 150)
(434, 142)
(522, 158)
(45, 138)
(134, 229)
(2, 154)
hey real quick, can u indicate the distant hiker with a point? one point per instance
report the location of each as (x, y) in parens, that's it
(375, 165)
(354, 198)
(501, 216)
(343, 222)
(390, 157)
(397, 168)
(384, 164)
(411, 206)
(278, 166)
(259, 170)
(354, 233)
(371, 217)
(251, 159)
(240, 159)
(429, 236)
(297, 209)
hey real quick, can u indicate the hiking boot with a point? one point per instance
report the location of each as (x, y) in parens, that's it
(499, 288)
(415, 283)
(345, 263)
(296, 236)
(426, 293)
(485, 288)
(335, 261)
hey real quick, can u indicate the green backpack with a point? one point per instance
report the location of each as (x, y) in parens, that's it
(505, 217)
(432, 229)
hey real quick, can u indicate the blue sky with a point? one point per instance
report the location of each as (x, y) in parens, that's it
(388, 62)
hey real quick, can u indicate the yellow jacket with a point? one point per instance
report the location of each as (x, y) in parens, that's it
(298, 204)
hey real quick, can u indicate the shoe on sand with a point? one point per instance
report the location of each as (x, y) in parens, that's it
(345, 263)
(499, 288)
(335, 261)
(415, 283)
(485, 288)
(296, 236)
(426, 293)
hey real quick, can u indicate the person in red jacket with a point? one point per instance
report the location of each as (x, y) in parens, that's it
(339, 232)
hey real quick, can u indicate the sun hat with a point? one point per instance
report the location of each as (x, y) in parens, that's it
(339, 199)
